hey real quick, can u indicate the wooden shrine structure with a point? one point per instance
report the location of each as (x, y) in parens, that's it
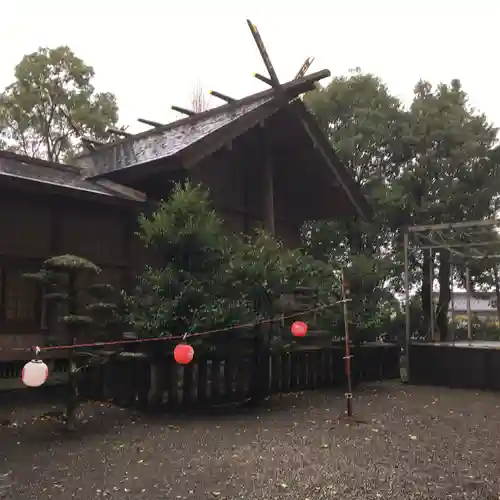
(264, 159)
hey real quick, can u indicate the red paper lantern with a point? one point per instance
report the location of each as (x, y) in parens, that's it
(299, 329)
(183, 354)
(34, 373)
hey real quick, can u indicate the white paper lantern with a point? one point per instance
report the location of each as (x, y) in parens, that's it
(35, 373)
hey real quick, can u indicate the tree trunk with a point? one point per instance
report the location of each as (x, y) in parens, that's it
(72, 403)
(355, 239)
(425, 294)
(444, 294)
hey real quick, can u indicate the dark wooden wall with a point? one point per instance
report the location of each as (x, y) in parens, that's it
(235, 180)
(34, 227)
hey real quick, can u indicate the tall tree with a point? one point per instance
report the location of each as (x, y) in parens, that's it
(51, 102)
(449, 176)
(365, 124)
(416, 166)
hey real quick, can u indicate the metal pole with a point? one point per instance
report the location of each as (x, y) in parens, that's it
(469, 319)
(431, 283)
(347, 350)
(406, 376)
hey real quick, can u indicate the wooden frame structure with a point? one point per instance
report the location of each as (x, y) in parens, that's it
(466, 241)
(264, 159)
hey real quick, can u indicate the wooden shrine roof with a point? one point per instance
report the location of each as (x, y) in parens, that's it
(160, 143)
(170, 139)
(183, 143)
(19, 170)
(111, 171)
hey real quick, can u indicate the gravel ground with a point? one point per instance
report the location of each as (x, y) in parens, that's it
(406, 443)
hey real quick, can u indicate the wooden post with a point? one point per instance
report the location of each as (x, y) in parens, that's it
(269, 223)
(405, 371)
(347, 358)
(72, 403)
(431, 282)
(469, 319)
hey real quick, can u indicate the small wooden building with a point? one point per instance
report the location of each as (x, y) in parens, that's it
(263, 158)
(48, 209)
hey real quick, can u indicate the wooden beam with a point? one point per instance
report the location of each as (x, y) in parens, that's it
(322, 144)
(224, 135)
(119, 131)
(268, 181)
(88, 143)
(263, 78)
(92, 142)
(263, 52)
(303, 69)
(184, 111)
(455, 225)
(220, 96)
(300, 74)
(151, 123)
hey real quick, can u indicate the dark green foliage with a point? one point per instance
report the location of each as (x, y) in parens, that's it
(52, 94)
(210, 280)
(75, 320)
(69, 302)
(366, 126)
(68, 263)
(189, 292)
(435, 162)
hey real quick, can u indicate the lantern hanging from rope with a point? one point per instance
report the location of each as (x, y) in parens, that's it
(35, 373)
(299, 329)
(183, 354)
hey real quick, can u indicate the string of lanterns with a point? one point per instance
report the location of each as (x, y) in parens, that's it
(36, 372)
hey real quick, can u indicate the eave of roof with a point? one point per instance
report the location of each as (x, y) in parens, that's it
(66, 178)
(344, 178)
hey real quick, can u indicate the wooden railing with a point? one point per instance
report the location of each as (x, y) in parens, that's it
(136, 380)
(10, 373)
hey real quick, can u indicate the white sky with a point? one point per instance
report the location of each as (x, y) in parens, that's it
(152, 53)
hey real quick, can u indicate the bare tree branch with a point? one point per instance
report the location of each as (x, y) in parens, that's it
(200, 100)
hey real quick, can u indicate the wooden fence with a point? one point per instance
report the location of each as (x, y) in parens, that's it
(469, 367)
(141, 381)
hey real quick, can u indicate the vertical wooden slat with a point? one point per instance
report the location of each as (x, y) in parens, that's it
(302, 370)
(294, 374)
(312, 366)
(143, 382)
(276, 372)
(320, 362)
(228, 378)
(328, 366)
(173, 387)
(245, 375)
(202, 381)
(285, 372)
(215, 378)
(187, 386)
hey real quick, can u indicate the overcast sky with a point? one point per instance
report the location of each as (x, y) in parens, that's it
(152, 53)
